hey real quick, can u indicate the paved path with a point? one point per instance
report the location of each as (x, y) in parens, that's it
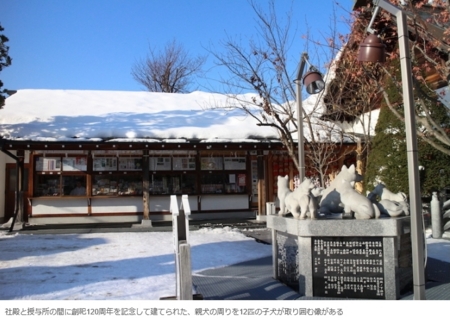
(252, 280)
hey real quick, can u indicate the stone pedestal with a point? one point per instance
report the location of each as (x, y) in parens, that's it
(367, 259)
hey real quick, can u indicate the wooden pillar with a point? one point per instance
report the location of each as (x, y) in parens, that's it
(146, 186)
(291, 174)
(31, 170)
(261, 185)
(359, 165)
(269, 178)
(90, 162)
(20, 183)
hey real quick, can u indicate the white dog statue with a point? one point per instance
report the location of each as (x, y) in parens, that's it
(391, 204)
(282, 192)
(356, 204)
(390, 207)
(393, 208)
(331, 197)
(300, 202)
(385, 194)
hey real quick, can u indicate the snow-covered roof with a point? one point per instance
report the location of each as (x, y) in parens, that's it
(66, 115)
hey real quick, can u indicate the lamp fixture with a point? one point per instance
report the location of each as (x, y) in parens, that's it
(372, 50)
(313, 82)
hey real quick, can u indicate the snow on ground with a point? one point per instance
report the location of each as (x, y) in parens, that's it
(438, 248)
(111, 266)
(121, 266)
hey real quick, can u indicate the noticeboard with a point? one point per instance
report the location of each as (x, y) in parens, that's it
(74, 163)
(235, 163)
(104, 164)
(348, 267)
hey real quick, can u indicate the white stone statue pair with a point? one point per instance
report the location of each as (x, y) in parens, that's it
(339, 197)
(300, 202)
(392, 204)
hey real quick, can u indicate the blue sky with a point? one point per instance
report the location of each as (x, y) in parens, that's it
(92, 44)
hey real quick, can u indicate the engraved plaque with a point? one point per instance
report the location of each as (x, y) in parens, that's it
(288, 269)
(348, 267)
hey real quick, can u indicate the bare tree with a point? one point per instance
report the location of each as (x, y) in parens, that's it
(429, 27)
(431, 68)
(353, 92)
(171, 70)
(263, 66)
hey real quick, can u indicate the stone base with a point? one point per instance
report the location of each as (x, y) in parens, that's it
(368, 259)
(146, 223)
(18, 225)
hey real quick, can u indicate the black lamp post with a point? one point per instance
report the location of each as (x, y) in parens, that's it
(314, 84)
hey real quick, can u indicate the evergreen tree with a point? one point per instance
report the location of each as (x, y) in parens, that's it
(435, 163)
(387, 162)
(436, 169)
(5, 60)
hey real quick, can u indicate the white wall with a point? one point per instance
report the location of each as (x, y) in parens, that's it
(109, 205)
(225, 202)
(162, 203)
(59, 205)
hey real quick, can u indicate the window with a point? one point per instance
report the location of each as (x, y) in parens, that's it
(120, 173)
(173, 174)
(60, 176)
(104, 164)
(235, 163)
(211, 163)
(117, 184)
(47, 185)
(213, 182)
(130, 164)
(172, 183)
(160, 163)
(74, 164)
(117, 175)
(74, 185)
(223, 174)
(184, 163)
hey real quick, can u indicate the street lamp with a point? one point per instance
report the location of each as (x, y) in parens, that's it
(313, 83)
(373, 50)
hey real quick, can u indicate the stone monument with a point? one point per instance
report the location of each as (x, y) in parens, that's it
(367, 257)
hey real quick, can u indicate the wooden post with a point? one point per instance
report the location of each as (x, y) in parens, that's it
(261, 176)
(146, 186)
(359, 165)
(20, 184)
